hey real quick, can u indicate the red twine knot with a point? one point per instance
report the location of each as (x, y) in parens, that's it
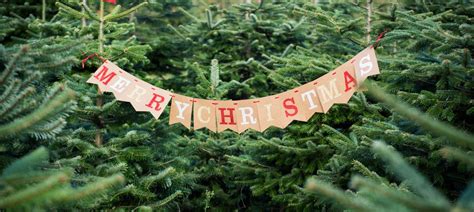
(379, 38)
(91, 56)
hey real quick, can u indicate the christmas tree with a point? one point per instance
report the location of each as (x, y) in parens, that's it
(33, 114)
(108, 134)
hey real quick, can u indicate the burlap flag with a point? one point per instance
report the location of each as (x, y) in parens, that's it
(145, 97)
(247, 115)
(328, 88)
(292, 105)
(123, 86)
(158, 101)
(270, 112)
(226, 112)
(307, 100)
(181, 110)
(336, 86)
(365, 64)
(104, 76)
(139, 94)
(204, 114)
(345, 74)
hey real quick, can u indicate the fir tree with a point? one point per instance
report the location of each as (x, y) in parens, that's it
(30, 183)
(129, 143)
(418, 74)
(222, 56)
(33, 113)
(415, 192)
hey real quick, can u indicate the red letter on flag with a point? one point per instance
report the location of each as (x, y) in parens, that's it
(104, 78)
(348, 79)
(290, 107)
(155, 101)
(111, 1)
(230, 115)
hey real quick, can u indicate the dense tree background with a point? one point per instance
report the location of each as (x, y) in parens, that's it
(376, 153)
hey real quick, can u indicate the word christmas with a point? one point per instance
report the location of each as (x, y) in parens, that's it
(278, 110)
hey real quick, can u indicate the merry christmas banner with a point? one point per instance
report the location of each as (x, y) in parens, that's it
(279, 110)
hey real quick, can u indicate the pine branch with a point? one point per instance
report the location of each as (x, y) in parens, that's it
(113, 16)
(458, 154)
(436, 127)
(367, 172)
(189, 15)
(416, 181)
(383, 191)
(27, 163)
(319, 187)
(11, 64)
(166, 200)
(38, 115)
(70, 11)
(93, 188)
(30, 193)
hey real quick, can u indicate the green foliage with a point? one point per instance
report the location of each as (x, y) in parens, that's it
(433, 67)
(424, 61)
(30, 183)
(330, 163)
(133, 144)
(31, 110)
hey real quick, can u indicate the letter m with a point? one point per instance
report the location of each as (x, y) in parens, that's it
(103, 76)
(329, 94)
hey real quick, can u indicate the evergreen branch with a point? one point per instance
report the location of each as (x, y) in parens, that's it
(322, 188)
(12, 86)
(150, 180)
(115, 11)
(27, 163)
(287, 50)
(93, 188)
(18, 17)
(416, 181)
(214, 75)
(251, 163)
(26, 83)
(408, 199)
(30, 193)
(458, 154)
(11, 64)
(38, 115)
(72, 11)
(113, 16)
(189, 14)
(43, 50)
(283, 148)
(367, 172)
(436, 127)
(89, 12)
(209, 19)
(176, 31)
(22, 178)
(167, 200)
(339, 134)
(15, 102)
(59, 63)
(466, 200)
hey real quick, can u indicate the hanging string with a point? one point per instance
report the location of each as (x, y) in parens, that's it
(83, 61)
(379, 38)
